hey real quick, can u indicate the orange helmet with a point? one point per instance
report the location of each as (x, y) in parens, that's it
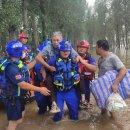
(23, 35)
(83, 43)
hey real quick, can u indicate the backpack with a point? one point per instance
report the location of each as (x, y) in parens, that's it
(3, 63)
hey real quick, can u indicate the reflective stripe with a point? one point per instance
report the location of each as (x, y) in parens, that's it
(20, 65)
(59, 59)
(3, 62)
(59, 85)
(72, 73)
(18, 91)
(76, 82)
(3, 67)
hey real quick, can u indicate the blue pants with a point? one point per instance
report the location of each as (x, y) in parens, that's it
(42, 102)
(87, 90)
(72, 103)
(14, 108)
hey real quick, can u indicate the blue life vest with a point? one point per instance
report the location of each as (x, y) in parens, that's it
(66, 75)
(30, 56)
(7, 89)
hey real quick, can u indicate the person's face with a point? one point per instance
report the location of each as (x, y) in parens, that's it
(98, 50)
(24, 40)
(65, 54)
(55, 40)
(82, 50)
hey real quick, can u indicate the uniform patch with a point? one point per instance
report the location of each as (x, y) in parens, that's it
(18, 76)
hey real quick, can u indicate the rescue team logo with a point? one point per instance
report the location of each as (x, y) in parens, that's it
(18, 76)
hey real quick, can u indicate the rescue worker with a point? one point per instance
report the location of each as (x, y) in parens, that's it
(30, 59)
(86, 70)
(47, 53)
(23, 38)
(30, 54)
(17, 78)
(27, 58)
(40, 76)
(65, 79)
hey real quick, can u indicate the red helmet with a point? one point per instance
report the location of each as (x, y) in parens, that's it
(23, 35)
(83, 43)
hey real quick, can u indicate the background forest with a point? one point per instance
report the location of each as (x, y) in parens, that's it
(108, 19)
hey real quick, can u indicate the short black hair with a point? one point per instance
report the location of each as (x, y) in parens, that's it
(103, 44)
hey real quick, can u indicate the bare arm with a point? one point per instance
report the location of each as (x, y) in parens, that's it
(43, 72)
(119, 77)
(27, 86)
(90, 67)
(40, 59)
(31, 64)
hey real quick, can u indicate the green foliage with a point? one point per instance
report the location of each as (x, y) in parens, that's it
(10, 14)
(107, 19)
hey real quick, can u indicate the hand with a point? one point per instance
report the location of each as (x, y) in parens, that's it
(78, 58)
(44, 91)
(114, 88)
(83, 61)
(52, 69)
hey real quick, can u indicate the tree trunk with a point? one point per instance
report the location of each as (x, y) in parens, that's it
(117, 36)
(0, 4)
(42, 8)
(12, 33)
(25, 16)
(35, 34)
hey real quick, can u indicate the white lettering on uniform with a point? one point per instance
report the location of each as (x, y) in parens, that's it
(17, 45)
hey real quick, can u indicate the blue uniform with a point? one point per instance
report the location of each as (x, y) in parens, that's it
(65, 93)
(13, 101)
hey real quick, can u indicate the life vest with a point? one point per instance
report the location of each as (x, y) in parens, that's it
(7, 89)
(66, 75)
(29, 57)
(84, 71)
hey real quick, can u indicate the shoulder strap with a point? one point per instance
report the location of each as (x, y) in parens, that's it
(4, 63)
(87, 56)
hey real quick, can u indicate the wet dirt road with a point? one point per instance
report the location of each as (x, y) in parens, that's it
(88, 120)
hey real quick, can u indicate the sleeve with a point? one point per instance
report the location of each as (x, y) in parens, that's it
(92, 60)
(117, 63)
(73, 53)
(13, 74)
(52, 61)
(45, 51)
